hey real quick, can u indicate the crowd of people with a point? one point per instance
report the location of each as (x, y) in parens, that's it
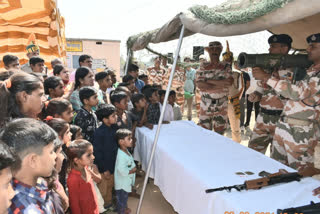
(66, 146)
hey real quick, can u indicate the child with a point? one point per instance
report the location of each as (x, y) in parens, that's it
(11, 62)
(37, 64)
(59, 197)
(21, 95)
(61, 127)
(105, 149)
(82, 194)
(7, 160)
(60, 108)
(177, 115)
(139, 113)
(127, 91)
(153, 112)
(76, 132)
(62, 72)
(86, 118)
(104, 80)
(53, 86)
(32, 141)
(168, 114)
(130, 81)
(124, 170)
(120, 101)
(144, 78)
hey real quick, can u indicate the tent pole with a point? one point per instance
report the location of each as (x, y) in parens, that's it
(127, 63)
(160, 120)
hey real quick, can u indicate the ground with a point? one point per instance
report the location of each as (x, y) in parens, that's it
(153, 201)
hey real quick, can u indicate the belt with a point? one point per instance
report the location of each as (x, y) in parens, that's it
(217, 101)
(271, 112)
(297, 122)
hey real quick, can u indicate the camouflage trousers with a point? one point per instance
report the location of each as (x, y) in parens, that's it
(198, 101)
(294, 145)
(263, 132)
(214, 116)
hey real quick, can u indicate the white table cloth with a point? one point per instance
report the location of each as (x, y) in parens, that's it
(189, 159)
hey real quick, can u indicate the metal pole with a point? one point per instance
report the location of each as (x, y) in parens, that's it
(160, 120)
(127, 63)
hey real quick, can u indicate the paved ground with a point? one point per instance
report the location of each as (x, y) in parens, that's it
(154, 202)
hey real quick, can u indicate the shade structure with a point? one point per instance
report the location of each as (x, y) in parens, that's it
(298, 18)
(20, 18)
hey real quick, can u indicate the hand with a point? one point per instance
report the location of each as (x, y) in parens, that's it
(254, 97)
(133, 170)
(316, 192)
(107, 174)
(259, 74)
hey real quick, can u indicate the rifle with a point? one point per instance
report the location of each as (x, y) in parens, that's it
(271, 179)
(312, 208)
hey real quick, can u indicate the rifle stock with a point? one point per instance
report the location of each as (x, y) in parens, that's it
(312, 208)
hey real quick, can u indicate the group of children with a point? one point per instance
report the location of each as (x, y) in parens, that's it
(58, 160)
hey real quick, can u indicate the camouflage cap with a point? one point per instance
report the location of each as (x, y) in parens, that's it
(214, 44)
(314, 38)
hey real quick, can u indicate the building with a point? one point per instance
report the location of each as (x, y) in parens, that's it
(105, 53)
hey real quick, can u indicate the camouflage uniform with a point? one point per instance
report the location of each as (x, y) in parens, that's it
(271, 106)
(177, 85)
(156, 76)
(214, 102)
(297, 132)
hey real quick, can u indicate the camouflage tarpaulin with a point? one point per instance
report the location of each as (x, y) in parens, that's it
(236, 17)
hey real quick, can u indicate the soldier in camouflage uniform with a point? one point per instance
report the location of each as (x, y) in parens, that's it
(156, 74)
(213, 80)
(297, 132)
(271, 104)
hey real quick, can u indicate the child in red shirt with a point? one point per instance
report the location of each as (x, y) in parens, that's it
(82, 194)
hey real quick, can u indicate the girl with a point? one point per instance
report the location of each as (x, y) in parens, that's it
(76, 132)
(82, 194)
(62, 72)
(21, 95)
(53, 86)
(84, 77)
(59, 197)
(60, 108)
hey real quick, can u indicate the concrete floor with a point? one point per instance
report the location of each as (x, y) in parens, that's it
(154, 202)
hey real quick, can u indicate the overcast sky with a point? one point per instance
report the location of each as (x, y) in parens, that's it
(105, 19)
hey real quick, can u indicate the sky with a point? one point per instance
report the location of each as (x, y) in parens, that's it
(117, 20)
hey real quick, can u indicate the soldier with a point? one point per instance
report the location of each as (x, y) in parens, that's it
(297, 132)
(234, 95)
(271, 104)
(156, 73)
(213, 80)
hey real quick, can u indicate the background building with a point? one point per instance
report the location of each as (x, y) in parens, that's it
(105, 53)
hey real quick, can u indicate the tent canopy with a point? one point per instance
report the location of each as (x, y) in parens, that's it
(20, 18)
(298, 18)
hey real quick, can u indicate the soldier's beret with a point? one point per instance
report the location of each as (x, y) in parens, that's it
(314, 38)
(280, 38)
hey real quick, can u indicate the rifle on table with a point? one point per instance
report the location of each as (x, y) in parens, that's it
(270, 179)
(313, 208)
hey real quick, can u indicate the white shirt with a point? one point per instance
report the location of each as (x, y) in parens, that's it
(168, 114)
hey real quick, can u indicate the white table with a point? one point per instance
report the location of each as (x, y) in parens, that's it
(189, 159)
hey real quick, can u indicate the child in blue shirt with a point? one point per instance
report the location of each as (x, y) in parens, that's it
(125, 169)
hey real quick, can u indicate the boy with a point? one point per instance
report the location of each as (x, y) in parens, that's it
(7, 160)
(177, 115)
(11, 62)
(37, 64)
(139, 112)
(130, 83)
(144, 78)
(153, 112)
(125, 169)
(120, 101)
(168, 114)
(133, 70)
(32, 141)
(104, 80)
(86, 118)
(105, 150)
